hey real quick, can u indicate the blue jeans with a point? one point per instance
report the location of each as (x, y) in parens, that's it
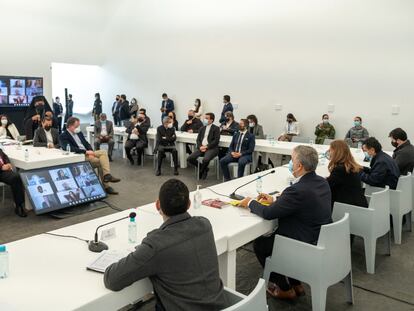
(242, 161)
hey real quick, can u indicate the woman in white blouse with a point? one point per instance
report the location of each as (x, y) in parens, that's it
(198, 109)
(7, 129)
(291, 128)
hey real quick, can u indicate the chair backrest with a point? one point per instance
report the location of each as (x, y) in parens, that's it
(405, 186)
(255, 301)
(334, 238)
(380, 203)
(327, 141)
(300, 139)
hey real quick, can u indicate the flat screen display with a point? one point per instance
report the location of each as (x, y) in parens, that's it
(59, 187)
(19, 91)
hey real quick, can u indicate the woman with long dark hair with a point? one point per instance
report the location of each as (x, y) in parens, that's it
(198, 108)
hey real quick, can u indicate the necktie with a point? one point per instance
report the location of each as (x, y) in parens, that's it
(239, 142)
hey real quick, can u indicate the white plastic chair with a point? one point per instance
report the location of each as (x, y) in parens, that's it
(255, 301)
(321, 265)
(400, 204)
(216, 163)
(234, 166)
(369, 223)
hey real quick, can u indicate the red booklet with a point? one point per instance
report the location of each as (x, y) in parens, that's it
(216, 203)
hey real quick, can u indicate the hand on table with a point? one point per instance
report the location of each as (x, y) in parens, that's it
(190, 131)
(264, 198)
(50, 145)
(244, 203)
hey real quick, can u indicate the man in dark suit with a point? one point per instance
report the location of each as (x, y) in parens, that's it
(46, 136)
(207, 144)
(383, 170)
(180, 258)
(167, 105)
(301, 210)
(58, 112)
(404, 151)
(240, 150)
(73, 137)
(9, 177)
(137, 136)
(104, 133)
(165, 142)
(227, 106)
(192, 124)
(124, 110)
(115, 110)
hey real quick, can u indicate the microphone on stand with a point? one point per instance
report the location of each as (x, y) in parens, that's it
(238, 197)
(97, 246)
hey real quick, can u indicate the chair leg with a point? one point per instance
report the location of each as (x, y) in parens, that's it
(318, 297)
(198, 170)
(408, 219)
(266, 271)
(397, 224)
(370, 248)
(349, 288)
(389, 242)
(218, 168)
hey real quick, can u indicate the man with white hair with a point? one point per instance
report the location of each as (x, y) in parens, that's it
(301, 210)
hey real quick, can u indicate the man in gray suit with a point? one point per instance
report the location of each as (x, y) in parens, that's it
(46, 136)
(180, 258)
(104, 133)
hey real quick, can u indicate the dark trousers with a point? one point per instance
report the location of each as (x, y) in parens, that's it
(263, 247)
(135, 143)
(161, 155)
(110, 143)
(59, 120)
(117, 121)
(14, 181)
(209, 155)
(242, 161)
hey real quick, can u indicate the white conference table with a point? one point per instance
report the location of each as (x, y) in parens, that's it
(52, 269)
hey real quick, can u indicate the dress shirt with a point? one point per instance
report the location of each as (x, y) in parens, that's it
(78, 141)
(49, 137)
(205, 141)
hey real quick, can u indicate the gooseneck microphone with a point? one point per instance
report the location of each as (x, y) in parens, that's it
(97, 246)
(238, 197)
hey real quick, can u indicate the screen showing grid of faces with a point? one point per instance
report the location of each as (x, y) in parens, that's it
(62, 186)
(19, 91)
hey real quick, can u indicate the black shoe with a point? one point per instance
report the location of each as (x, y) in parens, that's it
(131, 161)
(110, 178)
(176, 172)
(110, 190)
(158, 173)
(110, 158)
(20, 211)
(205, 173)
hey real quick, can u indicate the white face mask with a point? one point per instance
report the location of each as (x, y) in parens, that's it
(4, 122)
(77, 130)
(252, 124)
(169, 125)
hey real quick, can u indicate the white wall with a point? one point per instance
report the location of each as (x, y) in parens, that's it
(357, 55)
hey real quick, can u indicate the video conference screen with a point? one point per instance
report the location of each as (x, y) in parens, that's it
(58, 187)
(19, 91)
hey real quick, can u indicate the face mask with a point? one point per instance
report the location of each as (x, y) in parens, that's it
(289, 121)
(290, 166)
(77, 130)
(393, 143)
(47, 127)
(325, 121)
(251, 124)
(367, 156)
(190, 117)
(40, 109)
(3, 122)
(205, 122)
(140, 119)
(103, 121)
(357, 123)
(169, 125)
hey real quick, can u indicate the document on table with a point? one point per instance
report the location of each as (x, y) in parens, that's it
(105, 259)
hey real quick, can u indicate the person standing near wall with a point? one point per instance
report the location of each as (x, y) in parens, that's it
(227, 106)
(124, 110)
(58, 112)
(167, 106)
(97, 107)
(115, 110)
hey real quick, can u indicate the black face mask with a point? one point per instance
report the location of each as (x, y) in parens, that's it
(140, 119)
(190, 117)
(394, 144)
(40, 109)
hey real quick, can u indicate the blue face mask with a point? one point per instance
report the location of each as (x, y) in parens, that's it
(367, 156)
(205, 122)
(357, 123)
(290, 166)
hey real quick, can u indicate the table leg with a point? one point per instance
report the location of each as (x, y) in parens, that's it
(227, 268)
(182, 153)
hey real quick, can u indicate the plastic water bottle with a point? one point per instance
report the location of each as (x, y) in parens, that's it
(4, 262)
(67, 149)
(259, 185)
(132, 230)
(359, 146)
(26, 155)
(197, 198)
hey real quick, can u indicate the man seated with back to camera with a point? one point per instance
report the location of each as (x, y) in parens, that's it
(403, 154)
(180, 258)
(165, 142)
(240, 151)
(301, 210)
(46, 136)
(383, 170)
(73, 137)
